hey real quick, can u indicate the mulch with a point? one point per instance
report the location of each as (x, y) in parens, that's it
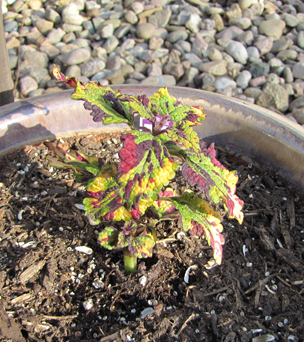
(50, 291)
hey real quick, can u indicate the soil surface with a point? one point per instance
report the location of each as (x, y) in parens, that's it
(51, 290)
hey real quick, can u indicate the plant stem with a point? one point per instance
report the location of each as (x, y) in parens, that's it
(130, 261)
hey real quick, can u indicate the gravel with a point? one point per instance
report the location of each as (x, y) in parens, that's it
(249, 49)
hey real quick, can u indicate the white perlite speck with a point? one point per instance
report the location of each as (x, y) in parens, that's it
(84, 249)
(146, 312)
(88, 304)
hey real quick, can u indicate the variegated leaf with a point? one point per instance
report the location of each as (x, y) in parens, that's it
(200, 219)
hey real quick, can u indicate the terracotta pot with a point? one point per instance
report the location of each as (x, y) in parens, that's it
(257, 134)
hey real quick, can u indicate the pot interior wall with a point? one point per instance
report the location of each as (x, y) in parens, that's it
(257, 134)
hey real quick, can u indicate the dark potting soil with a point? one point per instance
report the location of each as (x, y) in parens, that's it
(52, 290)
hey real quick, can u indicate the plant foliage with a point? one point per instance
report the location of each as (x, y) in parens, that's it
(135, 186)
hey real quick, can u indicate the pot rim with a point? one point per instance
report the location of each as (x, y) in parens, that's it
(257, 134)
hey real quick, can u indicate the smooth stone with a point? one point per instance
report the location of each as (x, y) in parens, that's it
(174, 69)
(275, 62)
(55, 35)
(234, 12)
(70, 9)
(199, 46)
(122, 31)
(258, 81)
(73, 70)
(39, 74)
(193, 59)
(216, 68)
(175, 36)
(163, 80)
(298, 88)
(27, 84)
(106, 31)
(297, 103)
(128, 44)
(76, 56)
(264, 45)
(208, 24)
(160, 32)
(13, 61)
(113, 62)
(272, 28)
(36, 58)
(300, 39)
(219, 25)
(88, 25)
(274, 95)
(288, 75)
(91, 67)
(145, 31)
(12, 43)
(224, 82)
(182, 17)
(246, 3)
(50, 50)
(137, 76)
(298, 114)
(290, 20)
(189, 77)
(194, 23)
(281, 44)
(18, 6)
(111, 44)
(154, 70)
(243, 23)
(155, 43)
(288, 87)
(73, 19)
(131, 17)
(10, 26)
(35, 4)
(259, 69)
(163, 17)
(71, 28)
(69, 37)
(238, 51)
(298, 70)
(214, 54)
(52, 15)
(253, 54)
(244, 79)
(208, 79)
(287, 54)
(253, 92)
(229, 33)
(137, 7)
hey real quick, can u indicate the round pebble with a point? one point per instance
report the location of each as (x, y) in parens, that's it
(246, 48)
(145, 31)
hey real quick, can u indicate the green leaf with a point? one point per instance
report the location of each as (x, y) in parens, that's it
(139, 241)
(199, 218)
(165, 104)
(217, 182)
(85, 167)
(108, 237)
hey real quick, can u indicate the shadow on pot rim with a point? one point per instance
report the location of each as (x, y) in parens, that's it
(255, 133)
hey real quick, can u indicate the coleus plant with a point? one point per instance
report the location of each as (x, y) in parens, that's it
(130, 193)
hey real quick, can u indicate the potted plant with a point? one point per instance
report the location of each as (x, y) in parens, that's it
(260, 272)
(133, 191)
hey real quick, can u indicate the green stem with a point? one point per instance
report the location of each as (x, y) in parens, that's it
(130, 261)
